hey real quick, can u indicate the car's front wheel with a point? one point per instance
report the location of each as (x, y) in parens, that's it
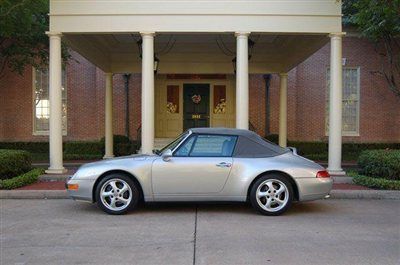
(271, 194)
(117, 194)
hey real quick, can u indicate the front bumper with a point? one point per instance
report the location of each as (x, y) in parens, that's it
(82, 189)
(314, 188)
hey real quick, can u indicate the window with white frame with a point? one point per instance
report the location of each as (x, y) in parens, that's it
(351, 101)
(41, 103)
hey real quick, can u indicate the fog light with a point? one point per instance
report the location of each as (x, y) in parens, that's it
(72, 186)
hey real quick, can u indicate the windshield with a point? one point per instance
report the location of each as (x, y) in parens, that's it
(174, 143)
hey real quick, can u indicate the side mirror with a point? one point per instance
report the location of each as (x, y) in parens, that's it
(166, 155)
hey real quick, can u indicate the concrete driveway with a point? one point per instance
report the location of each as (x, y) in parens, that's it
(322, 232)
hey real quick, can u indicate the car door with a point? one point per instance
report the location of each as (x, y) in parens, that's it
(201, 165)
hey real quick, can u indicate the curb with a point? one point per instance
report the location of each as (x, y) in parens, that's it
(34, 194)
(342, 180)
(49, 177)
(335, 194)
(366, 194)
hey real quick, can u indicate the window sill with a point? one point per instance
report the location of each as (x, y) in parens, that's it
(45, 133)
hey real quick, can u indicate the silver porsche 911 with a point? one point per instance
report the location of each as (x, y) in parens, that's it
(204, 164)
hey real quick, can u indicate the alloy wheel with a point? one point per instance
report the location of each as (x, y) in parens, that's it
(272, 195)
(116, 194)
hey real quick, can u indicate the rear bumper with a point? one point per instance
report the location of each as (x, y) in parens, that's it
(84, 191)
(314, 188)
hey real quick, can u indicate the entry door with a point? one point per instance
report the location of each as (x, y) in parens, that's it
(196, 105)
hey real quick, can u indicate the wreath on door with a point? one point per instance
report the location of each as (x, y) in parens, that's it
(196, 99)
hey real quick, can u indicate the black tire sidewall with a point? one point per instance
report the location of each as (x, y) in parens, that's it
(253, 191)
(131, 183)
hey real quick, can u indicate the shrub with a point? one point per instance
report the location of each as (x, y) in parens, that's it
(32, 147)
(22, 180)
(80, 148)
(83, 156)
(307, 148)
(273, 138)
(376, 183)
(14, 163)
(122, 145)
(380, 164)
(117, 139)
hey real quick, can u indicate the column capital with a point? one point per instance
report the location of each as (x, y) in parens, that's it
(337, 34)
(53, 34)
(147, 33)
(283, 75)
(242, 34)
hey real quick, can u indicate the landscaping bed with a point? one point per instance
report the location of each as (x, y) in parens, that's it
(75, 150)
(379, 169)
(319, 150)
(16, 169)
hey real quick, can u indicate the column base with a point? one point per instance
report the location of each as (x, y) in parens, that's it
(56, 170)
(108, 156)
(336, 172)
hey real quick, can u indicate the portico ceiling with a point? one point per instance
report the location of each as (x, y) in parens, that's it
(285, 32)
(195, 52)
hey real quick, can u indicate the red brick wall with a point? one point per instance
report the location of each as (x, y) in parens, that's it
(379, 108)
(16, 106)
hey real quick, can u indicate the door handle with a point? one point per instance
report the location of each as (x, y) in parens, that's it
(224, 164)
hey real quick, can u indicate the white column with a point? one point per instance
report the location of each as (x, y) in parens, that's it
(109, 144)
(55, 97)
(242, 80)
(335, 106)
(283, 110)
(147, 92)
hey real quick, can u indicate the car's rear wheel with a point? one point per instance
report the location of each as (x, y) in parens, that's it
(117, 194)
(271, 194)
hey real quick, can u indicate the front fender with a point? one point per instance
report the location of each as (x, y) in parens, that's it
(90, 174)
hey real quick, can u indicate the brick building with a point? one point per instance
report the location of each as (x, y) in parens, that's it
(378, 113)
(200, 63)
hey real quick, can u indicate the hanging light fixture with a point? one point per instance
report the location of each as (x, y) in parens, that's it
(234, 60)
(156, 63)
(156, 59)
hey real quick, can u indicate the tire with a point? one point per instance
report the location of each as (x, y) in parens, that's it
(117, 194)
(267, 202)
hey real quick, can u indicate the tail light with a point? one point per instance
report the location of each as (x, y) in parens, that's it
(323, 174)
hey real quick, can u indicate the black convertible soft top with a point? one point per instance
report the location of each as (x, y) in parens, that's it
(249, 144)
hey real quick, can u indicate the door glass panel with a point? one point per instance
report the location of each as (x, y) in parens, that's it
(214, 146)
(172, 99)
(219, 99)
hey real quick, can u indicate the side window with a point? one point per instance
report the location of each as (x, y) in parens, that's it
(214, 145)
(186, 147)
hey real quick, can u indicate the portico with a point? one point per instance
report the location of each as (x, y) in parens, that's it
(195, 38)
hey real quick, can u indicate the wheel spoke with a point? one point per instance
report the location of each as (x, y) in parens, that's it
(123, 200)
(279, 201)
(112, 203)
(280, 190)
(270, 186)
(113, 185)
(261, 194)
(106, 194)
(269, 202)
(123, 189)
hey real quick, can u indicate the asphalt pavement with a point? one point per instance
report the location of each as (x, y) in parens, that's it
(321, 232)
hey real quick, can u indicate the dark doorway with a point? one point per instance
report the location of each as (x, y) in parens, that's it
(196, 105)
